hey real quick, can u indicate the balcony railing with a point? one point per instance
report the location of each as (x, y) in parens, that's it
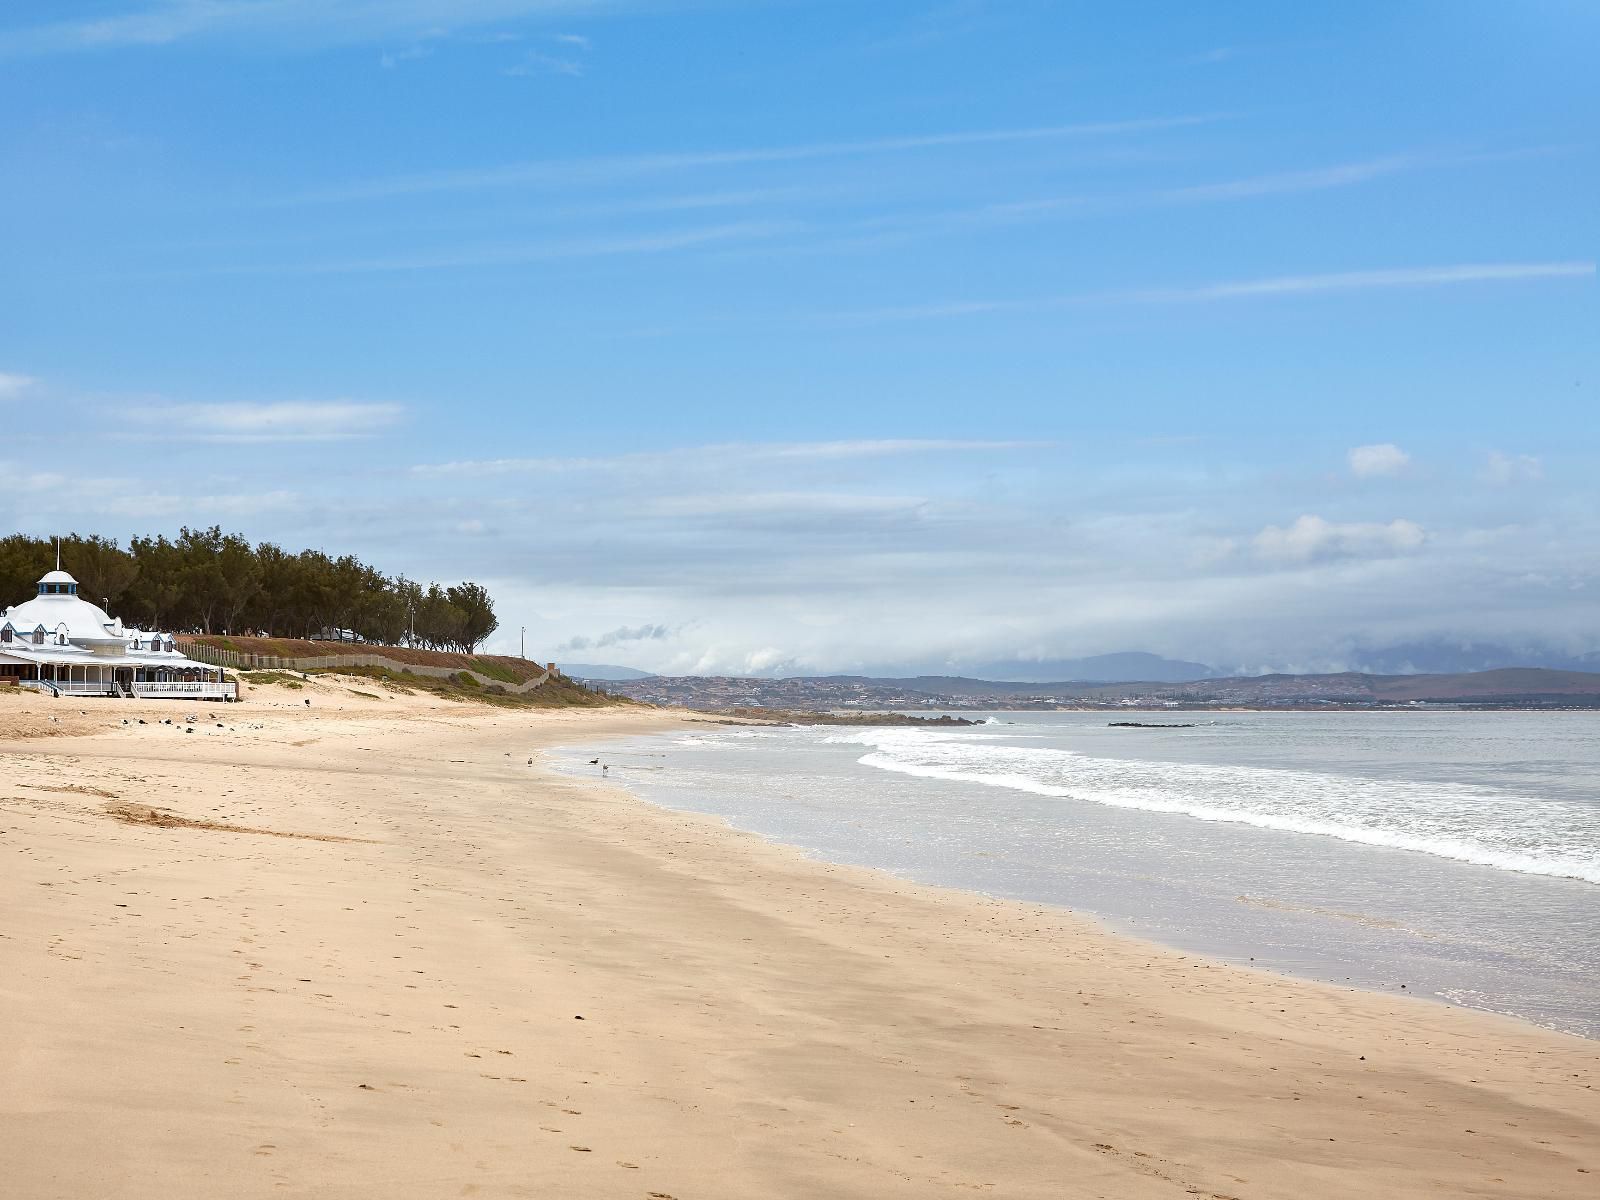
(159, 689)
(81, 687)
(186, 688)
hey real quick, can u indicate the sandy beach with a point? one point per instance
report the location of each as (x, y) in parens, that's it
(366, 947)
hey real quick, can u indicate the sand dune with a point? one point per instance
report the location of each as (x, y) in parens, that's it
(453, 974)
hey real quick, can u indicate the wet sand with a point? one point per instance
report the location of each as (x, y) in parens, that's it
(367, 949)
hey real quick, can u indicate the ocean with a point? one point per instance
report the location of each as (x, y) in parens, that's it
(1446, 854)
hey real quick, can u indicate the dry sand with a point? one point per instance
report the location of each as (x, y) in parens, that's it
(453, 974)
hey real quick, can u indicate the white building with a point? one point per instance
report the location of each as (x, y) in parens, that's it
(61, 644)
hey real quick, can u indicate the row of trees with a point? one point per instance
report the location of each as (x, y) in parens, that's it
(208, 581)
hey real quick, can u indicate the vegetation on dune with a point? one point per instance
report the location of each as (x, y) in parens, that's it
(557, 692)
(280, 678)
(495, 668)
(210, 581)
(499, 667)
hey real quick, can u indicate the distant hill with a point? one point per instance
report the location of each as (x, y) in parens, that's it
(1515, 686)
(1132, 666)
(1442, 657)
(1510, 685)
(600, 671)
(1531, 682)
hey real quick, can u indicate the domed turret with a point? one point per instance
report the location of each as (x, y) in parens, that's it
(57, 583)
(66, 617)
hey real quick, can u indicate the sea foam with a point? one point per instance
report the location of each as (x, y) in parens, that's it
(1465, 822)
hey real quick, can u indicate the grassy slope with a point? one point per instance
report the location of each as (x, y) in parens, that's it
(495, 666)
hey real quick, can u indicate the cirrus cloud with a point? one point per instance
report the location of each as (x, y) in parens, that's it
(12, 385)
(283, 421)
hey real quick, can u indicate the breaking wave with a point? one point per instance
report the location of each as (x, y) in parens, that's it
(1466, 822)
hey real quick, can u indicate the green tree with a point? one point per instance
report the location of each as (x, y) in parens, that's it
(268, 610)
(154, 595)
(205, 579)
(22, 560)
(240, 572)
(104, 570)
(477, 613)
(440, 624)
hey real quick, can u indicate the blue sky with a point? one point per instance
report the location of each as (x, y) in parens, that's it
(761, 336)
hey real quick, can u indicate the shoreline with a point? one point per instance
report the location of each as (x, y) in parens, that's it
(1112, 926)
(299, 1017)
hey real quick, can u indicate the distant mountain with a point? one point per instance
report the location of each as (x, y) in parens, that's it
(1134, 666)
(600, 671)
(1127, 667)
(1441, 657)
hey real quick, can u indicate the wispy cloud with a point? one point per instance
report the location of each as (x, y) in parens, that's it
(942, 22)
(899, 228)
(1279, 285)
(1503, 469)
(51, 495)
(288, 421)
(535, 62)
(12, 385)
(1400, 277)
(394, 58)
(1081, 205)
(616, 637)
(730, 452)
(296, 24)
(1349, 174)
(1217, 54)
(513, 253)
(1283, 182)
(539, 62)
(148, 505)
(785, 504)
(885, 447)
(612, 167)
